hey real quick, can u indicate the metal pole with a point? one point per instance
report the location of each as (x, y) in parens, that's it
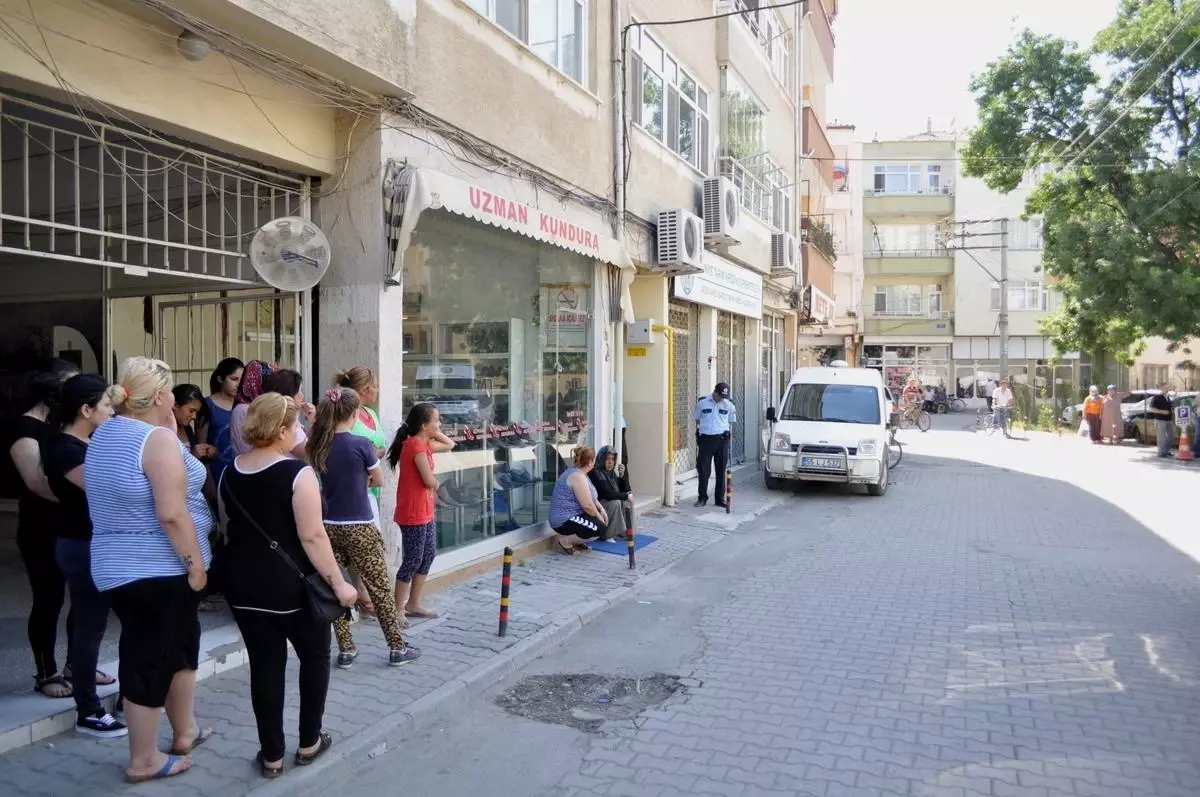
(618, 77)
(669, 469)
(629, 542)
(1003, 320)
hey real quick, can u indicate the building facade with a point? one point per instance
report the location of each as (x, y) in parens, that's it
(480, 259)
(908, 289)
(845, 209)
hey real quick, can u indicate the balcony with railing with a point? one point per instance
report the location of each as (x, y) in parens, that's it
(760, 185)
(909, 202)
(821, 22)
(819, 254)
(817, 147)
(771, 36)
(894, 262)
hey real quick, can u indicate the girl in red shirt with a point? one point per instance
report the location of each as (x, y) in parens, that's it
(417, 440)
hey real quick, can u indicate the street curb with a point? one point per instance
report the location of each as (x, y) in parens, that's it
(456, 693)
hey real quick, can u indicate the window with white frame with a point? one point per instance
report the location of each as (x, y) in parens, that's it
(745, 120)
(935, 301)
(554, 29)
(1026, 295)
(902, 300)
(760, 181)
(898, 178)
(667, 101)
(933, 173)
(1026, 234)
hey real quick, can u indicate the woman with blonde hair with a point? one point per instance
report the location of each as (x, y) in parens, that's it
(272, 505)
(347, 465)
(150, 555)
(575, 513)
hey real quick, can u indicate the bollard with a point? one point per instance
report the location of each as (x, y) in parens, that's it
(629, 545)
(728, 477)
(505, 586)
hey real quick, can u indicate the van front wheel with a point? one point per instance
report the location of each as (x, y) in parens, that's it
(880, 488)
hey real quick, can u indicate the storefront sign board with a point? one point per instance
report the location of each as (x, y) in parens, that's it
(723, 286)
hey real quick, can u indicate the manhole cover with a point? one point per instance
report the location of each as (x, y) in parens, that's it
(585, 701)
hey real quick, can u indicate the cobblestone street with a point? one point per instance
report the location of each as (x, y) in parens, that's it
(978, 631)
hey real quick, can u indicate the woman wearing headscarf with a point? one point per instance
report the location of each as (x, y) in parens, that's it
(1112, 424)
(611, 481)
(285, 382)
(1093, 406)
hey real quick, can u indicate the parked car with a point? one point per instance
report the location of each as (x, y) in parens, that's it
(1141, 427)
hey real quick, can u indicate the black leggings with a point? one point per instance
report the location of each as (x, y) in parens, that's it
(585, 527)
(35, 541)
(266, 636)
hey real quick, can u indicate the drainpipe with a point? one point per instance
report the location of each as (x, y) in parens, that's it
(616, 46)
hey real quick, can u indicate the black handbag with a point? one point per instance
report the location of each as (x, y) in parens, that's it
(322, 601)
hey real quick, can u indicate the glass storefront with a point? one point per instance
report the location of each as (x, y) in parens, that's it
(929, 365)
(497, 335)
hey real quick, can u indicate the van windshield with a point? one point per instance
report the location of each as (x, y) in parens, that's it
(832, 404)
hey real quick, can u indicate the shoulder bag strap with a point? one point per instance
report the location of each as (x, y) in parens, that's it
(274, 545)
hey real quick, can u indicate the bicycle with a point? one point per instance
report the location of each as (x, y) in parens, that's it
(895, 453)
(915, 416)
(957, 405)
(985, 421)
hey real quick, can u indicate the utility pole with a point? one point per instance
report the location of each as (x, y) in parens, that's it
(1003, 319)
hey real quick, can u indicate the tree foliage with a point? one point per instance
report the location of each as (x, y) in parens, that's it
(1117, 124)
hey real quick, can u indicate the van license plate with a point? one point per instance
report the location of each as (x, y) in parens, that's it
(823, 463)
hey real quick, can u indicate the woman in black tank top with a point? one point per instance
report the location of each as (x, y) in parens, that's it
(266, 493)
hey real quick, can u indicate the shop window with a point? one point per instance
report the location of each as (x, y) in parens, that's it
(668, 103)
(498, 337)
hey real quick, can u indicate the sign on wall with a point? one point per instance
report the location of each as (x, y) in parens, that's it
(723, 286)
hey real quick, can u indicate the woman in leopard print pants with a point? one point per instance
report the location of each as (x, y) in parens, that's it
(347, 465)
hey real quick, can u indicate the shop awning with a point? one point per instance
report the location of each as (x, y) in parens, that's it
(412, 190)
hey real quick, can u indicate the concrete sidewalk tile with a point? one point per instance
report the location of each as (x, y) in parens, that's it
(553, 598)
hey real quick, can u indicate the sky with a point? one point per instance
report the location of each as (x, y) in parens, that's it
(900, 62)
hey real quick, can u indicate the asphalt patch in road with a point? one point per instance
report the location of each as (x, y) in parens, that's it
(586, 702)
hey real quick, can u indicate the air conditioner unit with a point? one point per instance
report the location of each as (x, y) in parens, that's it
(785, 255)
(680, 243)
(722, 211)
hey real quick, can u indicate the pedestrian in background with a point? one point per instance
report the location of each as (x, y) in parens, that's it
(714, 416)
(150, 556)
(347, 464)
(1161, 409)
(272, 505)
(1093, 406)
(411, 454)
(1112, 424)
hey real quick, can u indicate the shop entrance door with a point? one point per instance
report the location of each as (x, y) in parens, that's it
(197, 334)
(685, 323)
(737, 385)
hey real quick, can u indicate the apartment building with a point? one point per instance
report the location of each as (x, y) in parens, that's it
(908, 292)
(984, 220)
(845, 214)
(818, 341)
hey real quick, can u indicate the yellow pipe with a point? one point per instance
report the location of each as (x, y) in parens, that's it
(670, 333)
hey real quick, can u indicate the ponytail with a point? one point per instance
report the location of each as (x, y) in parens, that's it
(337, 406)
(418, 416)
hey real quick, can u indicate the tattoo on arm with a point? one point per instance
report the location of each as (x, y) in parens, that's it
(329, 578)
(187, 560)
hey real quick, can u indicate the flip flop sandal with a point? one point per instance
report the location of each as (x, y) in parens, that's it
(54, 680)
(200, 739)
(305, 759)
(168, 771)
(102, 678)
(566, 551)
(270, 773)
(582, 546)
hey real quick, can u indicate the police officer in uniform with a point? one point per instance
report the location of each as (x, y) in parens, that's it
(713, 417)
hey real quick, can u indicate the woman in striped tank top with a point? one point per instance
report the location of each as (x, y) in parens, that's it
(150, 555)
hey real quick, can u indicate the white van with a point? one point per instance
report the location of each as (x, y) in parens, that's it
(832, 427)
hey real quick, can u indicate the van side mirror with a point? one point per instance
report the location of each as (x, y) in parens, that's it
(894, 420)
(771, 418)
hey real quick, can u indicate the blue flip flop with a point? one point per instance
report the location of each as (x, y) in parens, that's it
(167, 771)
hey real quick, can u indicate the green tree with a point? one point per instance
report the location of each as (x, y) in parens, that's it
(1121, 200)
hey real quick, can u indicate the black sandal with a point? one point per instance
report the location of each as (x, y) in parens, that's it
(304, 759)
(270, 773)
(54, 680)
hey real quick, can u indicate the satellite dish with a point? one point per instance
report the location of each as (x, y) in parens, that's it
(291, 254)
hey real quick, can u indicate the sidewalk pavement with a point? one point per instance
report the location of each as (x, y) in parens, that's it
(553, 597)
